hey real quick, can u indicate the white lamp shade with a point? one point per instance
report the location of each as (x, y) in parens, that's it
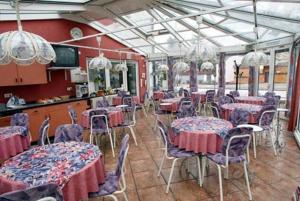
(257, 58)
(207, 67)
(121, 67)
(100, 62)
(181, 66)
(162, 67)
(25, 48)
(206, 52)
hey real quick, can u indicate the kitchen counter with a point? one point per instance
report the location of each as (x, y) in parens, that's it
(4, 111)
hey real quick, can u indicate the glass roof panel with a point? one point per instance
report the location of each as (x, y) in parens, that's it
(229, 41)
(126, 35)
(208, 2)
(137, 42)
(66, 1)
(188, 35)
(164, 38)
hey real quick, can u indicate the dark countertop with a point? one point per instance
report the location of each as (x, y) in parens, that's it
(4, 111)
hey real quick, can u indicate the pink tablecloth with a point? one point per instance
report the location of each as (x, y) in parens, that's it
(12, 142)
(201, 96)
(199, 134)
(56, 163)
(173, 105)
(251, 108)
(251, 100)
(158, 95)
(115, 117)
(117, 100)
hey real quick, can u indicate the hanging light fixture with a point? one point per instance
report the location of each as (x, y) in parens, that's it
(100, 62)
(208, 67)
(180, 66)
(24, 48)
(162, 66)
(121, 66)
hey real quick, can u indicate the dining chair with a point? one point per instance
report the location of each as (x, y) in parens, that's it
(148, 101)
(235, 149)
(209, 98)
(158, 113)
(68, 132)
(186, 93)
(186, 111)
(172, 152)
(169, 94)
(102, 103)
(231, 98)
(129, 102)
(43, 132)
(45, 192)
(271, 100)
(239, 116)
(143, 106)
(121, 93)
(216, 110)
(115, 182)
(269, 93)
(99, 127)
(234, 93)
(72, 114)
(224, 100)
(196, 103)
(180, 92)
(21, 119)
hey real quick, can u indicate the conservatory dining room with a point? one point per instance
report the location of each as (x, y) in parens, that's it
(149, 100)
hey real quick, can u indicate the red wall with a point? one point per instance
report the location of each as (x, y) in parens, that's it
(56, 31)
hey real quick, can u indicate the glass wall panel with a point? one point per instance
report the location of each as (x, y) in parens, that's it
(263, 83)
(281, 72)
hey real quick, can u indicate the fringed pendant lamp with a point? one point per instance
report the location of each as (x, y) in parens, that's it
(100, 62)
(121, 66)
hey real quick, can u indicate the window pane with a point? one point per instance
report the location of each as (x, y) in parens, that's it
(116, 77)
(263, 79)
(281, 72)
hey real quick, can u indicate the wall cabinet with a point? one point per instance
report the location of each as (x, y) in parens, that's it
(12, 74)
(58, 115)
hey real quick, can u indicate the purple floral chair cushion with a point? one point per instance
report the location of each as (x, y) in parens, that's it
(239, 116)
(234, 93)
(268, 94)
(102, 103)
(224, 100)
(73, 114)
(129, 101)
(68, 132)
(99, 124)
(271, 100)
(186, 111)
(121, 93)
(236, 148)
(169, 94)
(210, 96)
(42, 134)
(112, 178)
(21, 119)
(180, 92)
(34, 193)
(186, 93)
(231, 98)
(266, 119)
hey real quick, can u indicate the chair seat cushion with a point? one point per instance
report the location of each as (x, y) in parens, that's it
(180, 153)
(221, 159)
(109, 187)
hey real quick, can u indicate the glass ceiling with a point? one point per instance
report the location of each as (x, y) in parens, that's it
(232, 24)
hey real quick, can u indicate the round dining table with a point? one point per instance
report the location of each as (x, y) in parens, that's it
(13, 140)
(118, 100)
(256, 100)
(253, 110)
(199, 134)
(115, 116)
(76, 167)
(170, 104)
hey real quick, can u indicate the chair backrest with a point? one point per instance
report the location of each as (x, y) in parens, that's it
(210, 96)
(68, 132)
(271, 100)
(235, 93)
(121, 93)
(186, 111)
(43, 131)
(269, 93)
(34, 193)
(239, 116)
(164, 134)
(220, 92)
(236, 142)
(231, 98)
(99, 121)
(186, 93)
(122, 155)
(72, 114)
(128, 100)
(267, 115)
(277, 100)
(180, 92)
(21, 119)
(224, 100)
(216, 110)
(169, 94)
(102, 103)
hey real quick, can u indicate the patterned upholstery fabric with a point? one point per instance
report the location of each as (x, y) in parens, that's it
(224, 100)
(216, 110)
(267, 118)
(42, 135)
(231, 98)
(68, 132)
(271, 100)
(235, 93)
(21, 119)
(210, 96)
(268, 94)
(112, 178)
(186, 111)
(169, 94)
(128, 100)
(121, 93)
(186, 93)
(102, 103)
(99, 124)
(277, 100)
(34, 193)
(237, 147)
(239, 116)
(73, 114)
(180, 92)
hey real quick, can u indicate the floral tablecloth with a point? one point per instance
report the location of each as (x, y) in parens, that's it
(117, 100)
(77, 167)
(201, 95)
(251, 100)
(115, 116)
(199, 134)
(172, 107)
(251, 108)
(13, 140)
(158, 95)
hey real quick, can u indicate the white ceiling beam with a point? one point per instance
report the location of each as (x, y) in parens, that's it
(32, 16)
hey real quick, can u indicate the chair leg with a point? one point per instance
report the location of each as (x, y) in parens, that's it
(273, 142)
(254, 144)
(91, 138)
(144, 110)
(220, 182)
(226, 173)
(114, 136)
(161, 165)
(113, 197)
(199, 172)
(171, 174)
(111, 144)
(48, 139)
(247, 180)
(155, 122)
(125, 196)
(133, 135)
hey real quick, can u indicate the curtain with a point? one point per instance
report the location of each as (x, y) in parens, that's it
(193, 77)
(222, 71)
(251, 81)
(170, 61)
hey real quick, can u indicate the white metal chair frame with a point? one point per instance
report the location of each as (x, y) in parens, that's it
(72, 120)
(227, 165)
(45, 132)
(216, 109)
(184, 103)
(204, 105)
(47, 199)
(92, 135)
(166, 156)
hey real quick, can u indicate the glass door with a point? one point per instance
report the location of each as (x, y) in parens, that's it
(297, 130)
(132, 78)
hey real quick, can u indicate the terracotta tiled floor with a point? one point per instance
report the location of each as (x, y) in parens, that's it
(273, 178)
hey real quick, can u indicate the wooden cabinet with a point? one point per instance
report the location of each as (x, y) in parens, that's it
(12, 74)
(58, 115)
(5, 121)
